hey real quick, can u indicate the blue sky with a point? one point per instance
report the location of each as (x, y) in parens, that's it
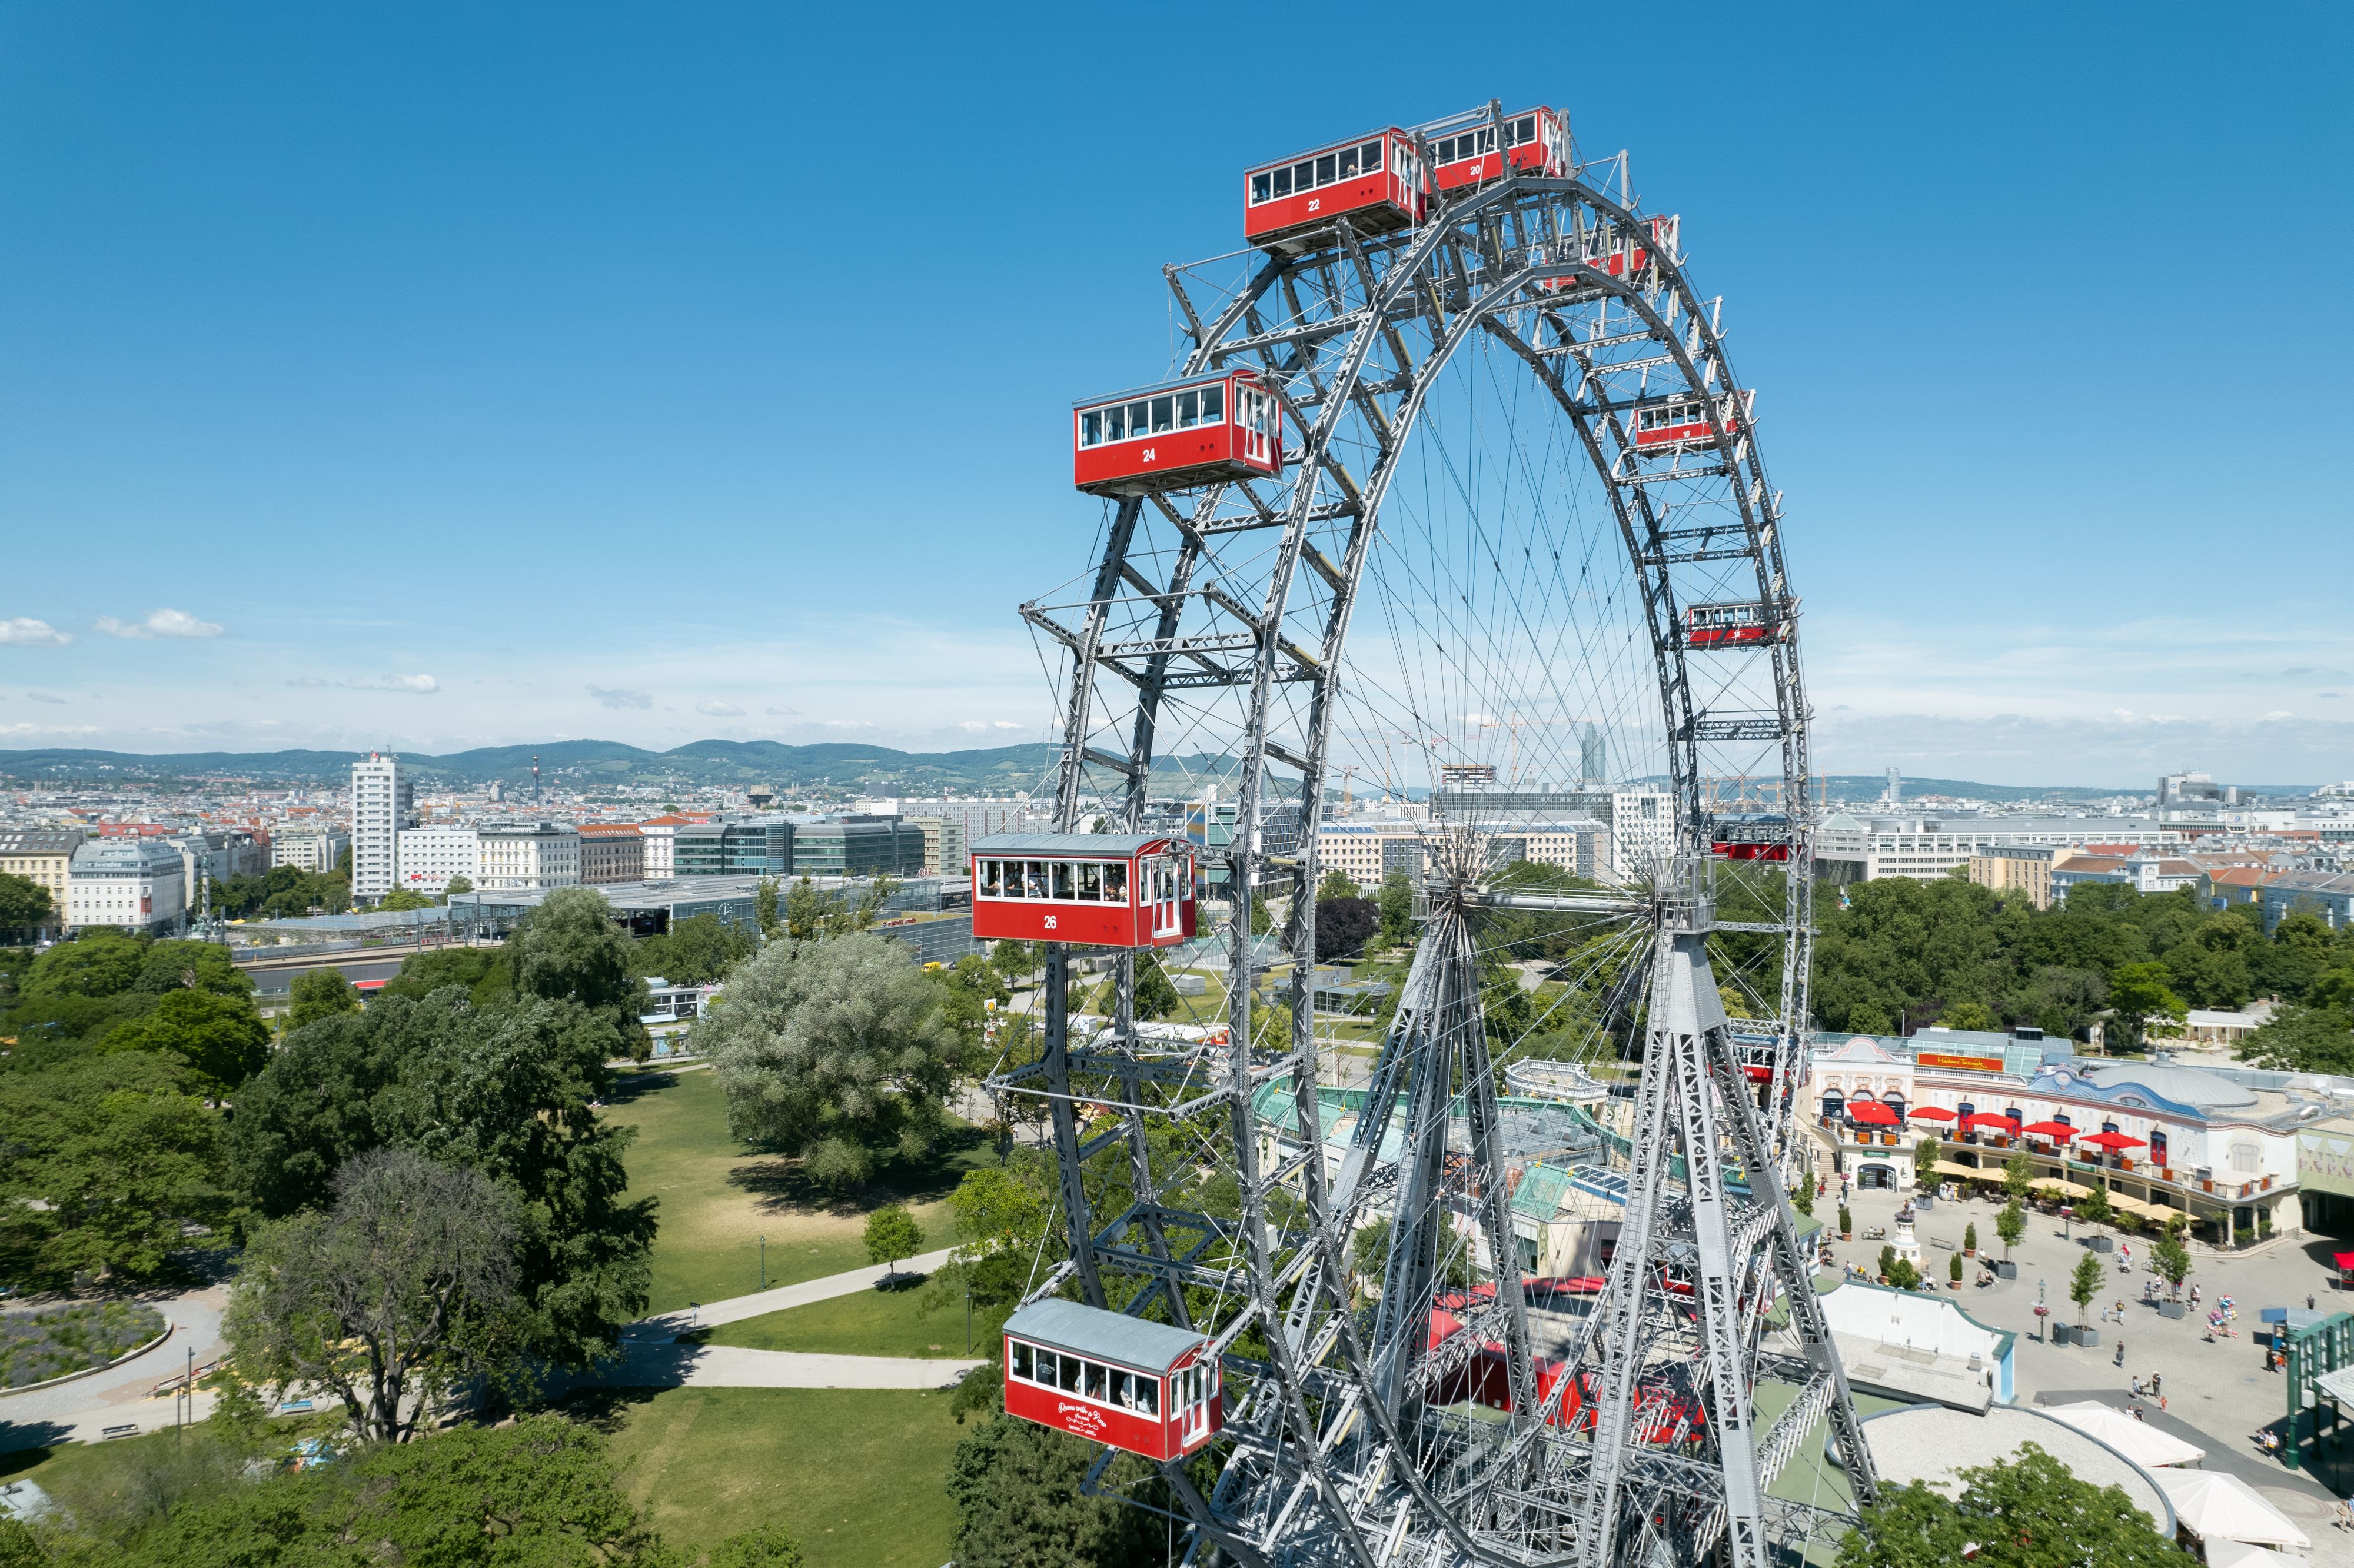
(457, 374)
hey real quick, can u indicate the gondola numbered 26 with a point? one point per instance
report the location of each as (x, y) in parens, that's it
(1101, 890)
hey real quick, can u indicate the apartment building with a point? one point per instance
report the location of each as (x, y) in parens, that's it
(944, 852)
(612, 851)
(527, 857)
(311, 847)
(136, 884)
(2015, 868)
(382, 805)
(1866, 847)
(429, 856)
(1368, 853)
(41, 855)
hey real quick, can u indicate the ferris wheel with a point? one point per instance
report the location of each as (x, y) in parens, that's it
(1445, 549)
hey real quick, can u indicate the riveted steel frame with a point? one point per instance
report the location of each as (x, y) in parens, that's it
(1326, 1420)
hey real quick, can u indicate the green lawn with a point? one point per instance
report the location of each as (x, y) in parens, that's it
(717, 1201)
(867, 1323)
(854, 1475)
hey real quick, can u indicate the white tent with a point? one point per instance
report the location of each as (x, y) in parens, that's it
(2246, 1554)
(2217, 1506)
(2143, 1443)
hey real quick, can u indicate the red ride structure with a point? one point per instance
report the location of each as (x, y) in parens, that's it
(1682, 424)
(1180, 434)
(1109, 1377)
(1536, 141)
(1101, 890)
(1377, 182)
(1732, 625)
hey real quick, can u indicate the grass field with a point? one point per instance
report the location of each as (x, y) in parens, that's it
(717, 1199)
(854, 1475)
(868, 1323)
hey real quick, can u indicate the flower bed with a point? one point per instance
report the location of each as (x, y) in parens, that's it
(38, 1346)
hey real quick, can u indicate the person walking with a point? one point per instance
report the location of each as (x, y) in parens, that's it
(2121, 1352)
(2157, 1386)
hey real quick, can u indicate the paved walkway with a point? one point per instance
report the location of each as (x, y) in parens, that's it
(735, 1309)
(118, 1396)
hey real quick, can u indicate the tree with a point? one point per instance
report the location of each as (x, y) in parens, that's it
(2138, 994)
(1343, 926)
(833, 1050)
(401, 898)
(2018, 1175)
(1396, 903)
(482, 972)
(20, 1547)
(110, 1161)
(2170, 1258)
(697, 950)
(1369, 1249)
(570, 948)
(1954, 1268)
(24, 903)
(2011, 1225)
(762, 1546)
(1971, 1015)
(542, 1492)
(1925, 1162)
(407, 1286)
(2028, 1511)
(1156, 997)
(764, 906)
(1262, 918)
(809, 910)
(457, 884)
(1847, 1221)
(892, 1234)
(1970, 1237)
(1888, 1262)
(2094, 1208)
(1016, 1489)
(222, 1039)
(2084, 1283)
(319, 993)
(1336, 885)
(508, 1092)
(1802, 1196)
(1002, 1212)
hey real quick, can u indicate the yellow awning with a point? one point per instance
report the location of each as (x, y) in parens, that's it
(1948, 1168)
(2054, 1184)
(2149, 1211)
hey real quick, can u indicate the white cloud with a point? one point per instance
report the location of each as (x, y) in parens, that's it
(418, 683)
(777, 712)
(26, 632)
(621, 697)
(45, 697)
(160, 623)
(719, 710)
(48, 729)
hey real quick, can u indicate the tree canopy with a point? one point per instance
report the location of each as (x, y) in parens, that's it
(221, 1038)
(319, 993)
(835, 1051)
(24, 903)
(2028, 1511)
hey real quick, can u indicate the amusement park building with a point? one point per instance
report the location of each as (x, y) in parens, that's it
(2218, 1146)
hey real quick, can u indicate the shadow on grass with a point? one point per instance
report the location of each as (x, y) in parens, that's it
(781, 1183)
(630, 1087)
(606, 1409)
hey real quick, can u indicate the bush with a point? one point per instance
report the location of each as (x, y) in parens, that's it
(1847, 1221)
(1970, 1236)
(1953, 1268)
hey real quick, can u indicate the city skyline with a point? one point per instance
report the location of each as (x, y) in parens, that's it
(526, 390)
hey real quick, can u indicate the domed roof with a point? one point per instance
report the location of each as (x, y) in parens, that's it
(2192, 1086)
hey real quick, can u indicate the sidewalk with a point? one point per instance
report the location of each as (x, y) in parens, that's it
(735, 1309)
(119, 1395)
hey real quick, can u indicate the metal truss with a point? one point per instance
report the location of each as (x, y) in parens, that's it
(1189, 1195)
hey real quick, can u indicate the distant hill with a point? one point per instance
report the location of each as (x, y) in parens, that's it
(877, 770)
(873, 769)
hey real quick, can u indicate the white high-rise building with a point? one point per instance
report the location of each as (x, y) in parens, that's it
(430, 855)
(133, 882)
(380, 809)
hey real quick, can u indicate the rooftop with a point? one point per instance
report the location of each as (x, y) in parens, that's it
(1113, 1336)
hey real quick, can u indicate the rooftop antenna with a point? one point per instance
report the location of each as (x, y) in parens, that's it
(534, 776)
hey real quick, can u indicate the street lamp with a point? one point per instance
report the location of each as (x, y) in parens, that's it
(764, 1260)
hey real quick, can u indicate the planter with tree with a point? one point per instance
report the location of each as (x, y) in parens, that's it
(2011, 1225)
(1847, 1224)
(1953, 1271)
(2017, 1171)
(2171, 1259)
(2097, 1210)
(2083, 1285)
(1971, 1239)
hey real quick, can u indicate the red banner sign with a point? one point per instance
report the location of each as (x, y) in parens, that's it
(1968, 1063)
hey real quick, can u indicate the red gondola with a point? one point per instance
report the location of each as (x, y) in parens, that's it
(1103, 890)
(1377, 182)
(1180, 434)
(1610, 250)
(1107, 1377)
(1682, 423)
(1751, 838)
(1536, 141)
(1732, 625)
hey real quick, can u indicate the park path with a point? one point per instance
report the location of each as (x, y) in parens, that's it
(735, 1309)
(119, 1395)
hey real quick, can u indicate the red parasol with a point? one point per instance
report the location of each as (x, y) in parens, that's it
(2113, 1140)
(1872, 1111)
(1988, 1118)
(1932, 1113)
(2059, 1130)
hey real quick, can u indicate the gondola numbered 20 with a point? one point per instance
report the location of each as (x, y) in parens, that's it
(1109, 1377)
(1101, 890)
